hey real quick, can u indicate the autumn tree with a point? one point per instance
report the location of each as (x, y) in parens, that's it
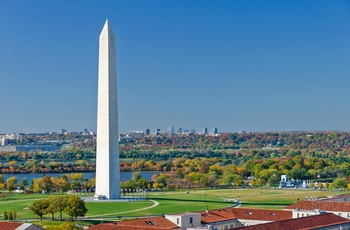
(11, 183)
(75, 206)
(39, 207)
(136, 176)
(60, 184)
(56, 204)
(23, 183)
(59, 203)
(46, 184)
(2, 181)
(35, 184)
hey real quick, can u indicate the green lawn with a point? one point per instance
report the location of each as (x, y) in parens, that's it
(114, 208)
(171, 202)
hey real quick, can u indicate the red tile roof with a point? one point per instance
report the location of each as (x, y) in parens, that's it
(9, 225)
(262, 214)
(110, 226)
(144, 224)
(225, 214)
(309, 222)
(321, 205)
(217, 215)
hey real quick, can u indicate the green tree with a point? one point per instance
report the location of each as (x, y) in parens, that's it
(143, 183)
(161, 178)
(51, 209)
(339, 183)
(273, 180)
(23, 183)
(57, 204)
(75, 206)
(230, 179)
(6, 217)
(65, 226)
(10, 216)
(11, 183)
(39, 207)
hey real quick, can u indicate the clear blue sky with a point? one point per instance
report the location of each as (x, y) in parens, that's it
(235, 65)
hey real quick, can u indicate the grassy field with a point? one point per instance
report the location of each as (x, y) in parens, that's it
(169, 202)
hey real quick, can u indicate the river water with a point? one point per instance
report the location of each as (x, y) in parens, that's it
(124, 176)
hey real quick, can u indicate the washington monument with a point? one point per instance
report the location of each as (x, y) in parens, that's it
(107, 150)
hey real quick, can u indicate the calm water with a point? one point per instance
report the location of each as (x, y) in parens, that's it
(124, 176)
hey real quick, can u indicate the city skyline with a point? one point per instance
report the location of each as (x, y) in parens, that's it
(234, 65)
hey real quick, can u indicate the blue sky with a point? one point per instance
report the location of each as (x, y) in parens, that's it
(235, 65)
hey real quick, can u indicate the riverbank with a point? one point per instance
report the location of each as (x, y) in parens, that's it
(124, 176)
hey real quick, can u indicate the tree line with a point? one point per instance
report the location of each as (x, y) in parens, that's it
(72, 205)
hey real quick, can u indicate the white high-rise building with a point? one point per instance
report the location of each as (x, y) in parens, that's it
(107, 150)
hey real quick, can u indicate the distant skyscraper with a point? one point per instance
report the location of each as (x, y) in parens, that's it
(179, 131)
(205, 130)
(147, 131)
(107, 149)
(156, 132)
(215, 130)
(171, 130)
(62, 131)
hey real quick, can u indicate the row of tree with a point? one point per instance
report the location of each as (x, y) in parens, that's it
(47, 184)
(72, 205)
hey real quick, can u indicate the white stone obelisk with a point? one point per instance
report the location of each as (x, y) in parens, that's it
(107, 150)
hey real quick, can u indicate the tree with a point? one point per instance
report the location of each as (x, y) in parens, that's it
(143, 183)
(273, 180)
(327, 185)
(65, 226)
(155, 185)
(46, 184)
(75, 206)
(161, 185)
(23, 183)
(11, 183)
(60, 184)
(6, 217)
(57, 204)
(10, 216)
(320, 185)
(2, 181)
(230, 179)
(39, 207)
(52, 209)
(339, 183)
(161, 179)
(136, 176)
(36, 185)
